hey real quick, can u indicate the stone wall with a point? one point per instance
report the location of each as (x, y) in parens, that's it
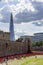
(1, 34)
(4, 35)
(12, 47)
(8, 47)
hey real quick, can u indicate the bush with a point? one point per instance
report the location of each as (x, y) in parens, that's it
(33, 44)
(40, 43)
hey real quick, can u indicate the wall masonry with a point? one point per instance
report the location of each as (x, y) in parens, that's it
(12, 48)
(8, 47)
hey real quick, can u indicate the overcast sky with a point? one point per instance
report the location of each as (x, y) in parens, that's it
(27, 16)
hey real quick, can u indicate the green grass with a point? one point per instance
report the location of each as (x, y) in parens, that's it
(27, 61)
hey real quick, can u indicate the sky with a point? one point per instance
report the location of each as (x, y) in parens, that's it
(27, 16)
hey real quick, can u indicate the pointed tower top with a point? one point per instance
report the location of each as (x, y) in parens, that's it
(11, 14)
(11, 17)
(12, 29)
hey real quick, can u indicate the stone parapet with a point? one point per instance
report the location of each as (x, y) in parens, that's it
(11, 48)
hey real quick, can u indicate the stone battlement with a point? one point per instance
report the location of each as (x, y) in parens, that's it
(4, 35)
(11, 48)
(8, 47)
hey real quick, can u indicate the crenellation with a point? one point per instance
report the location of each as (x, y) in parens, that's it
(8, 47)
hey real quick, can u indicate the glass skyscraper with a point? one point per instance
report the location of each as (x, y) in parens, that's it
(12, 36)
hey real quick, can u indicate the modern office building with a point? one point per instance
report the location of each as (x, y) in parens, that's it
(37, 37)
(12, 36)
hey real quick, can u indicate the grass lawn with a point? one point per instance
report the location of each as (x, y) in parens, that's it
(31, 60)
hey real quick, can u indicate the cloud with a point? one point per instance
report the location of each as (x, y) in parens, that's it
(2, 3)
(1, 9)
(19, 32)
(1, 17)
(38, 0)
(38, 23)
(27, 16)
(38, 4)
(5, 13)
(20, 7)
(5, 1)
(23, 11)
(10, 1)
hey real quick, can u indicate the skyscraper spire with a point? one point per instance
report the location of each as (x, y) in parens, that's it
(12, 37)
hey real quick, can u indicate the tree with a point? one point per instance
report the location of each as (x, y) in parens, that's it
(41, 43)
(33, 44)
